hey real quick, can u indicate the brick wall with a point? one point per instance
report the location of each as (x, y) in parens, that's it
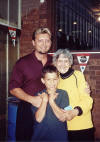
(92, 75)
(34, 15)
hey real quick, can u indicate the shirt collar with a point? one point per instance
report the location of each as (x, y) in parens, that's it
(67, 74)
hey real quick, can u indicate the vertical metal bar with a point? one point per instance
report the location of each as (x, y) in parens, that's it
(8, 13)
(18, 48)
(7, 74)
(19, 14)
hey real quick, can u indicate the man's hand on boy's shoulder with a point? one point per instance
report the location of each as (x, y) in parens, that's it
(36, 101)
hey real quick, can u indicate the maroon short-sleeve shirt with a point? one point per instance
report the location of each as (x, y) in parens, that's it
(26, 74)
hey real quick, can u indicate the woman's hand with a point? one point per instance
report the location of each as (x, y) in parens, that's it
(69, 114)
(87, 89)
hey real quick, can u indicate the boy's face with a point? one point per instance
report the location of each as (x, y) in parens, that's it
(51, 81)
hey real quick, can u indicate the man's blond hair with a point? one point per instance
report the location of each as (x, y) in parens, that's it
(41, 31)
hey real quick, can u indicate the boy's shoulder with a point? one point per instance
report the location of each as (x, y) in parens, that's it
(62, 98)
(60, 90)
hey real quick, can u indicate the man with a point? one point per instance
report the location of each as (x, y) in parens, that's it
(26, 81)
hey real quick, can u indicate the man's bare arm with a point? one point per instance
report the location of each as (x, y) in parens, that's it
(19, 93)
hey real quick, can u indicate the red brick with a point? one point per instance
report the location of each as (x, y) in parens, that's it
(94, 68)
(97, 78)
(42, 16)
(98, 87)
(97, 72)
(97, 82)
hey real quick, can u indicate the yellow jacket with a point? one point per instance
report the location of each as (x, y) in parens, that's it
(75, 85)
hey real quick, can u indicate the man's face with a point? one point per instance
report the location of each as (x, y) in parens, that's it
(42, 43)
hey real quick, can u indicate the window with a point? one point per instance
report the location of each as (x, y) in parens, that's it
(10, 13)
(81, 31)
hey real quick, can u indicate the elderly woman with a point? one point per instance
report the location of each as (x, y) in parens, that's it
(80, 128)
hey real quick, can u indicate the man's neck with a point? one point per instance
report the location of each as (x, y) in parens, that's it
(41, 57)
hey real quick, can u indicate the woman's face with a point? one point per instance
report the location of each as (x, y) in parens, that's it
(63, 64)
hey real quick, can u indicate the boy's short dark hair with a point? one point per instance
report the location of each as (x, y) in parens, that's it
(49, 69)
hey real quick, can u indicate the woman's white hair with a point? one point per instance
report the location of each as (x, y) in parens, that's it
(65, 52)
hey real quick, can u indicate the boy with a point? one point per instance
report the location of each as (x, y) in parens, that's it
(47, 124)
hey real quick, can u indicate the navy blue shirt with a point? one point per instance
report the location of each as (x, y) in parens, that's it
(51, 129)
